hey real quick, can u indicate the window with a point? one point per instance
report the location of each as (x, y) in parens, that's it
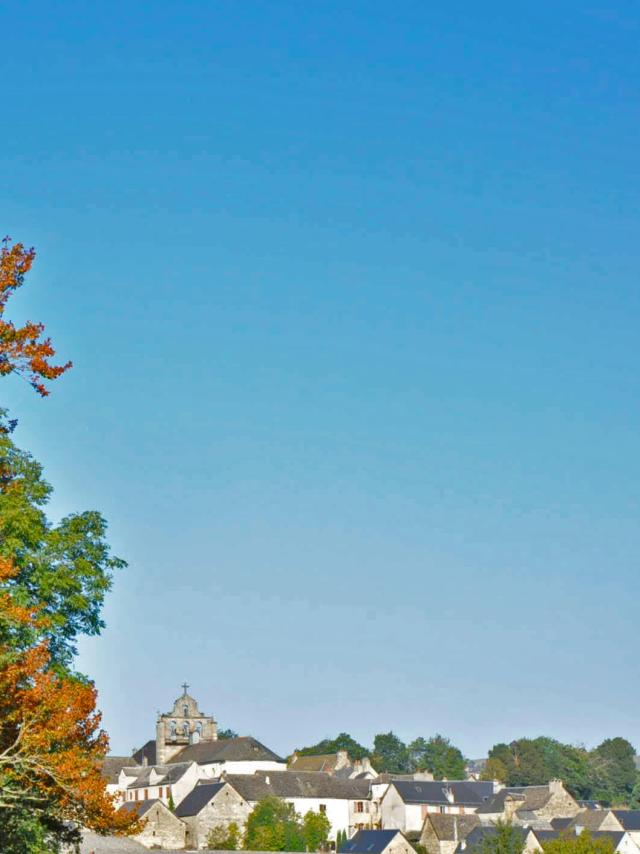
(359, 806)
(146, 794)
(443, 809)
(172, 729)
(323, 807)
(136, 794)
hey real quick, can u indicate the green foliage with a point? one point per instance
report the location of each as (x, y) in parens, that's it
(607, 773)
(23, 832)
(332, 745)
(583, 844)
(64, 568)
(315, 830)
(227, 733)
(273, 825)
(223, 838)
(171, 804)
(495, 769)
(341, 838)
(613, 766)
(390, 754)
(438, 756)
(506, 839)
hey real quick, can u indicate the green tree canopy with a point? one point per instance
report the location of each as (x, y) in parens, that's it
(316, 828)
(390, 754)
(66, 568)
(438, 756)
(583, 844)
(503, 838)
(273, 825)
(614, 771)
(332, 745)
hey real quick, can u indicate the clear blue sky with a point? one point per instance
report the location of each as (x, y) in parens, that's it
(351, 289)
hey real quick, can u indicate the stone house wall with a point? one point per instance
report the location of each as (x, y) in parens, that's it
(560, 804)
(224, 809)
(162, 829)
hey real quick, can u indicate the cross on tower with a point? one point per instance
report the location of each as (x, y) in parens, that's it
(184, 687)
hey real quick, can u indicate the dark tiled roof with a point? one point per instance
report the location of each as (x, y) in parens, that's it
(531, 797)
(140, 807)
(296, 784)
(326, 762)
(629, 819)
(561, 823)
(242, 749)
(451, 827)
(170, 774)
(113, 765)
(467, 793)
(147, 752)
(589, 819)
(198, 798)
(368, 842)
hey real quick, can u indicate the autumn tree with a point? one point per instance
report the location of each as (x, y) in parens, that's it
(23, 349)
(52, 584)
(51, 744)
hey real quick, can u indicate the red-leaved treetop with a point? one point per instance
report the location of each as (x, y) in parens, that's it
(23, 349)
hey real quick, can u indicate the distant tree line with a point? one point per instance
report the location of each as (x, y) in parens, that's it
(390, 754)
(608, 773)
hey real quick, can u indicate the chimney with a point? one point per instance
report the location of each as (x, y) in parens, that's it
(510, 805)
(556, 787)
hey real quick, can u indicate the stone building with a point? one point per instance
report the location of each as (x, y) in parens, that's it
(208, 806)
(441, 834)
(185, 724)
(338, 764)
(530, 804)
(162, 829)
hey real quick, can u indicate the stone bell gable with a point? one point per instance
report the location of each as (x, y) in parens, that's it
(185, 724)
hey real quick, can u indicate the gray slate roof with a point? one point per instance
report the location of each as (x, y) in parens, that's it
(198, 798)
(533, 798)
(467, 793)
(139, 807)
(147, 752)
(241, 749)
(450, 827)
(297, 784)
(589, 819)
(629, 819)
(170, 774)
(368, 842)
(113, 765)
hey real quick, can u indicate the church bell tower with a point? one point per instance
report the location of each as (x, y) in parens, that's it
(183, 725)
